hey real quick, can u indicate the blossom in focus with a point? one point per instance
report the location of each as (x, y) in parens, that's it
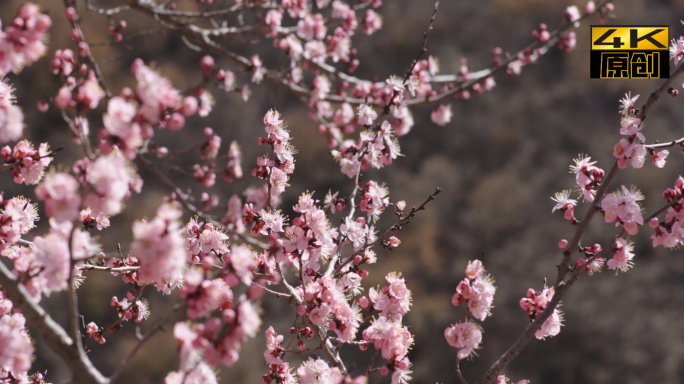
(465, 336)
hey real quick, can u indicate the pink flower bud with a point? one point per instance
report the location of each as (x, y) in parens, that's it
(332, 325)
(207, 64)
(75, 35)
(83, 49)
(622, 163)
(654, 222)
(363, 273)
(384, 370)
(43, 106)
(137, 64)
(176, 121)
(400, 205)
(563, 244)
(363, 302)
(358, 259)
(43, 23)
(190, 105)
(71, 14)
(228, 315)
(544, 36)
(63, 98)
(590, 7)
(569, 213)
(301, 310)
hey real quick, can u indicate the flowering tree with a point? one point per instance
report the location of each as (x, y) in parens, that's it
(218, 263)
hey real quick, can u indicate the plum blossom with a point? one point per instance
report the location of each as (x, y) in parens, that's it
(350, 167)
(111, 178)
(318, 372)
(565, 204)
(390, 336)
(465, 336)
(160, 248)
(551, 326)
(23, 42)
(623, 207)
(622, 256)
(366, 115)
(587, 176)
(442, 115)
(477, 290)
(573, 15)
(273, 348)
(155, 93)
(11, 116)
(677, 50)
(658, 158)
(59, 191)
(627, 103)
(30, 163)
(17, 350)
(19, 215)
(371, 22)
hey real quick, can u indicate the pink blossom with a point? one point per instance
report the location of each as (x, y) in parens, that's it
(551, 326)
(442, 115)
(23, 42)
(622, 256)
(465, 336)
(371, 22)
(315, 51)
(350, 167)
(590, 7)
(90, 93)
(627, 104)
(206, 103)
(318, 372)
(201, 374)
(677, 50)
(273, 20)
(631, 126)
(273, 341)
(17, 350)
(658, 158)
(111, 178)
(52, 252)
(160, 248)
(278, 181)
(11, 117)
(311, 27)
(59, 191)
(31, 162)
(572, 13)
(366, 115)
(155, 92)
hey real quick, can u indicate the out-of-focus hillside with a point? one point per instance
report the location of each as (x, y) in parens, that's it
(499, 160)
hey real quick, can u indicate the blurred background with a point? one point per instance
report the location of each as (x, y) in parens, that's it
(499, 161)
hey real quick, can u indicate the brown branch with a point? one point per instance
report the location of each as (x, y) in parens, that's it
(458, 371)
